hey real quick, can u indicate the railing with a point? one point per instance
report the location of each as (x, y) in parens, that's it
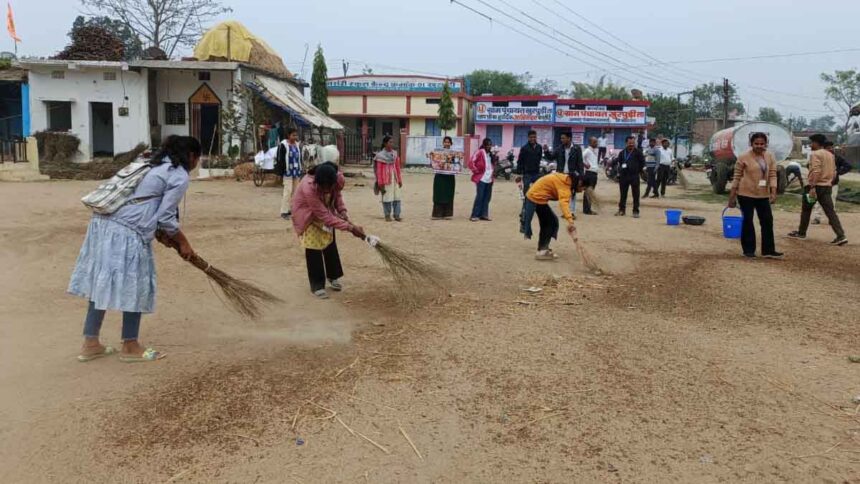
(14, 151)
(356, 150)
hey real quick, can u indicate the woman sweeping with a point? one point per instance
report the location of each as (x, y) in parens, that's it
(115, 268)
(481, 165)
(389, 179)
(318, 209)
(443, 189)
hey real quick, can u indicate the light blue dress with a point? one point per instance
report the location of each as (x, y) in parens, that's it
(115, 268)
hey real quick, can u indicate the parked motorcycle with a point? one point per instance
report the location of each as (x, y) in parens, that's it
(505, 167)
(611, 169)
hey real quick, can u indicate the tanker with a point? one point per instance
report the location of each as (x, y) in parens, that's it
(727, 145)
(851, 148)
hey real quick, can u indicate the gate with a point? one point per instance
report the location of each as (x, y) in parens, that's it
(13, 150)
(356, 150)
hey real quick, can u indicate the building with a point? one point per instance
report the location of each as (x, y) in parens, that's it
(372, 106)
(506, 120)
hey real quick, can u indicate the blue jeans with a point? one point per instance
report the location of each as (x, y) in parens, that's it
(93, 323)
(481, 208)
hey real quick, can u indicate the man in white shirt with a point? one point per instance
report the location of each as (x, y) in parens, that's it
(665, 166)
(591, 162)
(601, 147)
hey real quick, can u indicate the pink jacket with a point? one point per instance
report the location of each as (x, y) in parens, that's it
(309, 205)
(479, 164)
(384, 171)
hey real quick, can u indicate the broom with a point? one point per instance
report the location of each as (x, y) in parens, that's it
(588, 261)
(410, 271)
(243, 297)
(682, 179)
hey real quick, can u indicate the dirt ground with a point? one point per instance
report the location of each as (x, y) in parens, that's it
(686, 363)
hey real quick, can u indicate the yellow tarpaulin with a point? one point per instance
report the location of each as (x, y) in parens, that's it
(232, 41)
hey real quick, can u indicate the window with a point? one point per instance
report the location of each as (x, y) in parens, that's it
(529, 104)
(109, 76)
(387, 129)
(174, 114)
(620, 137)
(59, 115)
(432, 101)
(521, 135)
(500, 104)
(58, 75)
(431, 127)
(494, 132)
(204, 76)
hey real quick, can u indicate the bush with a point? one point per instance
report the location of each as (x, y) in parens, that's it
(56, 146)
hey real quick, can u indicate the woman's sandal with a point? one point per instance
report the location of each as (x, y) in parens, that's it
(148, 355)
(106, 351)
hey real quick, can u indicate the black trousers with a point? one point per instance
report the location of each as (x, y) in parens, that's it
(652, 180)
(589, 180)
(601, 152)
(824, 196)
(629, 184)
(662, 179)
(749, 207)
(548, 226)
(323, 265)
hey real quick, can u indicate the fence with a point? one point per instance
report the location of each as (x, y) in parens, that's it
(356, 149)
(13, 150)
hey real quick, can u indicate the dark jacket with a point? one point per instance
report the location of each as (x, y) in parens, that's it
(842, 167)
(573, 161)
(528, 161)
(635, 162)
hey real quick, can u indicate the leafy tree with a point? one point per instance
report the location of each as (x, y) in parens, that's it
(671, 116)
(823, 123)
(236, 121)
(319, 88)
(602, 89)
(367, 71)
(549, 87)
(129, 39)
(843, 88)
(499, 83)
(166, 24)
(708, 101)
(769, 115)
(447, 116)
(799, 123)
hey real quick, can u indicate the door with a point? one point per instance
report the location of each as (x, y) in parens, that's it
(101, 127)
(387, 129)
(206, 119)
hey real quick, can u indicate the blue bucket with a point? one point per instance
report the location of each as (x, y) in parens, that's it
(673, 216)
(732, 225)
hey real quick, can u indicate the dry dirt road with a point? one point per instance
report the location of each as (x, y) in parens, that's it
(686, 364)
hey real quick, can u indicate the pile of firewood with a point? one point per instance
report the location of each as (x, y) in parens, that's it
(93, 43)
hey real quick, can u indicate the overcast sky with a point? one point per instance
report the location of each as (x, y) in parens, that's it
(436, 36)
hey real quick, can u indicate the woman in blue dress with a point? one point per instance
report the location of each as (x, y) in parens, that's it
(115, 269)
(289, 157)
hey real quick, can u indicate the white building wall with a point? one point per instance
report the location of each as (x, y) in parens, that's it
(86, 85)
(177, 86)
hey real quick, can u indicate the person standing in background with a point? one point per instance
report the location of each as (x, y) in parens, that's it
(754, 187)
(528, 166)
(481, 165)
(591, 163)
(842, 167)
(652, 155)
(601, 146)
(389, 179)
(443, 189)
(289, 157)
(822, 170)
(664, 167)
(630, 162)
(568, 160)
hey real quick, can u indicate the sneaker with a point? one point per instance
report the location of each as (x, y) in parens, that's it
(388, 218)
(591, 213)
(655, 196)
(773, 255)
(749, 255)
(620, 213)
(841, 240)
(796, 235)
(474, 219)
(544, 255)
(816, 221)
(398, 219)
(336, 285)
(321, 294)
(635, 214)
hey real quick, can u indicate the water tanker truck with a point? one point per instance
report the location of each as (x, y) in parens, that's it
(727, 145)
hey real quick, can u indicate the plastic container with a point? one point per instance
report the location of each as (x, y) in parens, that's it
(732, 225)
(673, 216)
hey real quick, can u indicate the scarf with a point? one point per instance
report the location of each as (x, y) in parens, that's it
(387, 157)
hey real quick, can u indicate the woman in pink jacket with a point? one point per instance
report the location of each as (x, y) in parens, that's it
(481, 165)
(318, 209)
(389, 179)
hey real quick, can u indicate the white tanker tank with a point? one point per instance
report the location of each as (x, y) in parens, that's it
(728, 144)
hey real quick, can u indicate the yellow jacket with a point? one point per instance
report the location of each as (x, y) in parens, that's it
(554, 186)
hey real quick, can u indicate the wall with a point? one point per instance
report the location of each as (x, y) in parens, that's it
(393, 105)
(83, 86)
(421, 108)
(345, 105)
(176, 86)
(416, 126)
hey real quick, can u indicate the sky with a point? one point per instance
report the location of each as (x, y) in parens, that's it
(567, 44)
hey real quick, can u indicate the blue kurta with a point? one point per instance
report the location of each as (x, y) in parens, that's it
(115, 268)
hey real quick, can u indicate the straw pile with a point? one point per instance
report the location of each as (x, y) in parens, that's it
(243, 297)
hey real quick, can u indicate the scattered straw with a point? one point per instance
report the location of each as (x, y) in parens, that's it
(411, 444)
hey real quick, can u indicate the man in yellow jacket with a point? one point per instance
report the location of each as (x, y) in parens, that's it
(554, 186)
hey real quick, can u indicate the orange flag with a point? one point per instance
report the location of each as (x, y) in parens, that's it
(10, 23)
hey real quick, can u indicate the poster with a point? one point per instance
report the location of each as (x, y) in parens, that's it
(600, 116)
(446, 162)
(514, 112)
(418, 148)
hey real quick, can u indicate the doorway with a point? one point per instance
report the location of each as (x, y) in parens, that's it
(101, 125)
(206, 119)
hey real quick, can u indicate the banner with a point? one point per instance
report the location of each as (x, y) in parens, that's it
(446, 162)
(599, 115)
(514, 112)
(394, 84)
(420, 149)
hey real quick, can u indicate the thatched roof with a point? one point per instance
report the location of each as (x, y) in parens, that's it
(13, 74)
(232, 41)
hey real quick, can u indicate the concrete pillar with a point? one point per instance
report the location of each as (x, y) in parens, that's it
(33, 153)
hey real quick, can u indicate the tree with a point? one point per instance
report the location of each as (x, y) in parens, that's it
(549, 87)
(799, 123)
(844, 89)
(367, 71)
(769, 115)
(319, 88)
(823, 123)
(166, 24)
(671, 116)
(132, 43)
(499, 83)
(447, 117)
(235, 119)
(602, 89)
(708, 101)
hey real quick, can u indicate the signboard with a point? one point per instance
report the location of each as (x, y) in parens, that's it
(514, 112)
(394, 84)
(419, 150)
(600, 115)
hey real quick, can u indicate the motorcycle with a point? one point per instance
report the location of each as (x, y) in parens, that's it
(611, 169)
(505, 167)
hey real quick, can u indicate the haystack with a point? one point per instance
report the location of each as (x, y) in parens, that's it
(234, 42)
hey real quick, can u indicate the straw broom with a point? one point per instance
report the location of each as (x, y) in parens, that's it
(588, 261)
(682, 179)
(410, 271)
(243, 297)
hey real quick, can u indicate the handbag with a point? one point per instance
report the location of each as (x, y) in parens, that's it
(317, 236)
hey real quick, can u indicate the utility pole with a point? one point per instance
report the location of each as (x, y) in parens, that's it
(725, 103)
(345, 67)
(677, 121)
